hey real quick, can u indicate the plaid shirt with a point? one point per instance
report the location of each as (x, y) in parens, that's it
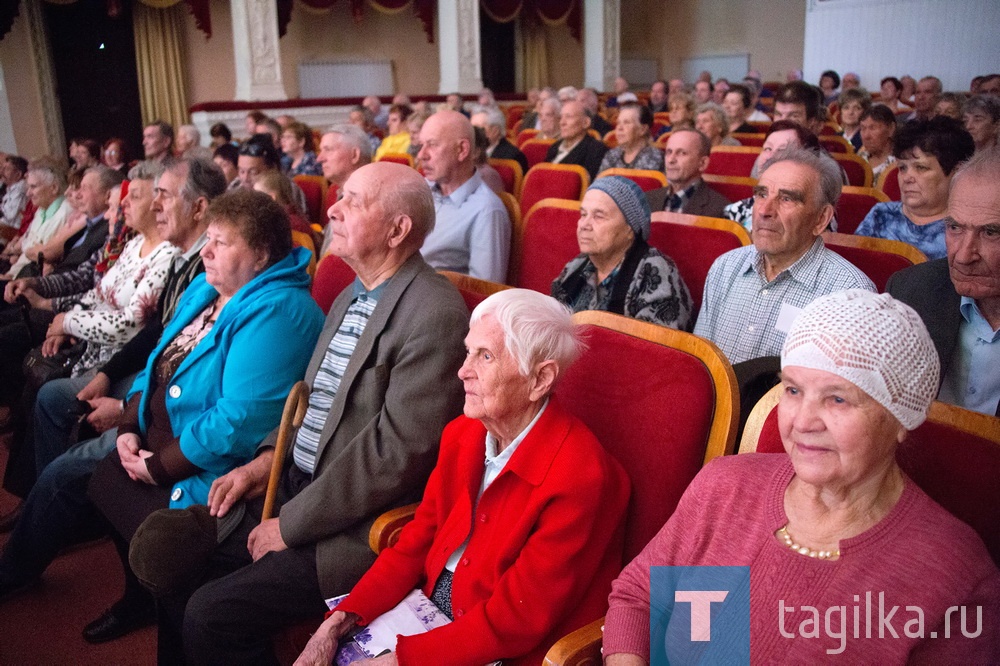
(675, 202)
(740, 308)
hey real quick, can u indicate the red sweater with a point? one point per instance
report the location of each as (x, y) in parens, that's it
(546, 543)
(918, 555)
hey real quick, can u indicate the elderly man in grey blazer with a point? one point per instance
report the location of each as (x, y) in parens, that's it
(384, 383)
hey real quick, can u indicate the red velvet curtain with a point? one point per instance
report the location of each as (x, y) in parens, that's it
(549, 12)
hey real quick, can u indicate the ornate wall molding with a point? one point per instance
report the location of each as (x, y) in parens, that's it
(458, 46)
(256, 50)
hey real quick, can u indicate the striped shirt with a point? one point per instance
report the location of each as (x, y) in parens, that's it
(331, 372)
(741, 309)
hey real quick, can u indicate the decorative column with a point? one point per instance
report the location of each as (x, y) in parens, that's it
(458, 46)
(601, 43)
(256, 51)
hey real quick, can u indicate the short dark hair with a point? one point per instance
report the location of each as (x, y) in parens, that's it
(645, 115)
(259, 220)
(404, 110)
(228, 152)
(743, 92)
(893, 80)
(833, 75)
(221, 130)
(165, 129)
(204, 177)
(257, 115)
(879, 113)
(800, 92)
(806, 137)
(93, 148)
(19, 163)
(942, 137)
(261, 145)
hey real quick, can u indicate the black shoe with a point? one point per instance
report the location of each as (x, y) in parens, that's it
(9, 519)
(118, 621)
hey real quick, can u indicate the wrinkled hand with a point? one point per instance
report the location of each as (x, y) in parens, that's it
(56, 327)
(247, 481)
(97, 387)
(265, 538)
(15, 288)
(133, 458)
(105, 413)
(52, 345)
(322, 646)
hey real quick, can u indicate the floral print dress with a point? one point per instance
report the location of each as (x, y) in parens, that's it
(109, 315)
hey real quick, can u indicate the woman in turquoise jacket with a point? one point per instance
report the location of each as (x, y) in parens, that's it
(217, 381)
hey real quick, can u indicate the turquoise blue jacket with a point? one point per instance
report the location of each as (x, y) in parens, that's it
(228, 394)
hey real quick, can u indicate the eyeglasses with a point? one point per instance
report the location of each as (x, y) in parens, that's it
(253, 150)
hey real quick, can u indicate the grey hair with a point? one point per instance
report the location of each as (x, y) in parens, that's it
(535, 328)
(552, 101)
(191, 132)
(717, 112)
(568, 91)
(984, 164)
(106, 176)
(146, 170)
(355, 137)
(988, 104)
(204, 178)
(51, 170)
(494, 116)
(830, 179)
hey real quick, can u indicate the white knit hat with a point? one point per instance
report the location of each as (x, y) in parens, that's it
(873, 341)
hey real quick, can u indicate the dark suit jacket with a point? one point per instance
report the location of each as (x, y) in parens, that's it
(600, 124)
(704, 201)
(588, 154)
(928, 289)
(381, 437)
(93, 239)
(505, 150)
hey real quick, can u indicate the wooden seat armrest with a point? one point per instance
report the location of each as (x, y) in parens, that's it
(385, 530)
(580, 648)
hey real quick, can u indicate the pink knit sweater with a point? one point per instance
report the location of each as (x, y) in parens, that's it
(918, 555)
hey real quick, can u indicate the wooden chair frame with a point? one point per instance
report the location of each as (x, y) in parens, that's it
(851, 157)
(704, 222)
(515, 167)
(890, 171)
(398, 158)
(877, 244)
(628, 173)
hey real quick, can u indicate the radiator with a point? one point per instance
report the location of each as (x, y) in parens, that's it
(355, 78)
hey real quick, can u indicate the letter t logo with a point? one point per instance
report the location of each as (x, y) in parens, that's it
(701, 607)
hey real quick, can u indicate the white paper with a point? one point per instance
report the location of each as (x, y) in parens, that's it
(786, 315)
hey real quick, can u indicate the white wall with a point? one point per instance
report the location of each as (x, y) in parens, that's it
(954, 40)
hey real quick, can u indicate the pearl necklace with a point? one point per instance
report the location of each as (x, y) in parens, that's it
(803, 550)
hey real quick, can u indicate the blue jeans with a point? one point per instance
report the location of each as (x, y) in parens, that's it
(57, 512)
(53, 418)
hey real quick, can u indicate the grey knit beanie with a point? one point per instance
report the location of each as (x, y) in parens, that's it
(630, 199)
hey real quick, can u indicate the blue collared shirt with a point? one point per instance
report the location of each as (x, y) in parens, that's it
(973, 378)
(471, 232)
(91, 223)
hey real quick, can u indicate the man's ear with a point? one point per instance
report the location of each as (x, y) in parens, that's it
(200, 206)
(399, 230)
(464, 149)
(825, 215)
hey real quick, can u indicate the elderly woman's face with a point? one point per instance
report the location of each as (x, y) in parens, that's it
(495, 392)
(602, 232)
(230, 262)
(922, 182)
(837, 436)
(629, 130)
(708, 124)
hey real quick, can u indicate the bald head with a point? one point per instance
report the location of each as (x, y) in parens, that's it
(446, 154)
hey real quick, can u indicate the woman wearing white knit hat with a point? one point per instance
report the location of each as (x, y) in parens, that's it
(835, 535)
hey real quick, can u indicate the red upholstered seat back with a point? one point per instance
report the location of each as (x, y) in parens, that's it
(328, 200)
(654, 422)
(535, 150)
(734, 188)
(889, 183)
(543, 182)
(548, 243)
(693, 249)
(732, 161)
(314, 187)
(859, 174)
(332, 276)
(510, 174)
(524, 136)
(957, 469)
(852, 207)
(878, 266)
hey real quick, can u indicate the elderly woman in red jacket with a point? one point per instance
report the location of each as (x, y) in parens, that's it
(519, 533)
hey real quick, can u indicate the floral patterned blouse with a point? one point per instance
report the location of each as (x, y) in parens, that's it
(655, 294)
(650, 158)
(109, 315)
(308, 166)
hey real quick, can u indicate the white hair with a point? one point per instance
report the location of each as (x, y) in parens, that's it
(535, 328)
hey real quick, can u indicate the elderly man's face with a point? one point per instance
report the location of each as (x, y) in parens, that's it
(548, 120)
(925, 98)
(991, 87)
(793, 112)
(481, 120)
(658, 94)
(442, 151)
(981, 126)
(682, 159)
(495, 392)
(337, 158)
(972, 236)
(573, 122)
(358, 222)
(702, 92)
(174, 215)
(787, 215)
(850, 81)
(154, 144)
(93, 199)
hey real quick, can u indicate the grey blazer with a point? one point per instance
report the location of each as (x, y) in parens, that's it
(381, 437)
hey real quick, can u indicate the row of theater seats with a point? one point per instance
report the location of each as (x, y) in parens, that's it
(665, 402)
